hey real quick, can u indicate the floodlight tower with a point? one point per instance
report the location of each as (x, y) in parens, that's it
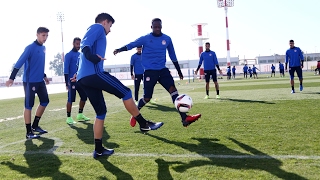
(200, 36)
(225, 4)
(60, 17)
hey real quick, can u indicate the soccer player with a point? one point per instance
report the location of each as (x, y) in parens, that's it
(70, 68)
(273, 70)
(295, 59)
(254, 71)
(250, 72)
(210, 63)
(137, 68)
(281, 69)
(155, 46)
(234, 72)
(245, 71)
(34, 82)
(228, 72)
(93, 79)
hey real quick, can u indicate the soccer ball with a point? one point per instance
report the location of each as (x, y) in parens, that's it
(183, 103)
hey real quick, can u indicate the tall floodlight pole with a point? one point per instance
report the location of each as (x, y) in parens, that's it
(60, 18)
(225, 4)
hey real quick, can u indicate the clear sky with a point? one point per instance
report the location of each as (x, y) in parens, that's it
(255, 26)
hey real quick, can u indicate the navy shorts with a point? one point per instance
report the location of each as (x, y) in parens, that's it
(93, 86)
(210, 73)
(255, 73)
(281, 71)
(297, 69)
(73, 87)
(151, 77)
(31, 89)
(273, 72)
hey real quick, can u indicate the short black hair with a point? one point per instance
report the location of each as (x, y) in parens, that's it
(139, 46)
(207, 43)
(156, 20)
(42, 30)
(104, 16)
(291, 41)
(76, 39)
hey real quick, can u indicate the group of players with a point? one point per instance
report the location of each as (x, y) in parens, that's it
(84, 72)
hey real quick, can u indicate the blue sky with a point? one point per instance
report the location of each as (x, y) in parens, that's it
(255, 26)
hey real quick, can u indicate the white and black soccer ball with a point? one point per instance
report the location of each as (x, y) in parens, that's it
(183, 103)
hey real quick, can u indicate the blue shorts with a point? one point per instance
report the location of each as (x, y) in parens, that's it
(210, 73)
(73, 87)
(31, 89)
(151, 77)
(281, 71)
(297, 69)
(93, 86)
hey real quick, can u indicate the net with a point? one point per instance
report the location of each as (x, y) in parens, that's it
(225, 3)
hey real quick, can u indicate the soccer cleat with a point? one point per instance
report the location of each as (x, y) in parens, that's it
(32, 136)
(152, 101)
(190, 119)
(206, 97)
(150, 126)
(105, 152)
(301, 87)
(81, 117)
(292, 92)
(133, 121)
(218, 96)
(39, 130)
(70, 121)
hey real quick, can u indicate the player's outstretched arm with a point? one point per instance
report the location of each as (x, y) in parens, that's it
(94, 58)
(137, 43)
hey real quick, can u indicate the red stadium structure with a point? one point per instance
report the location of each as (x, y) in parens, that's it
(200, 37)
(225, 4)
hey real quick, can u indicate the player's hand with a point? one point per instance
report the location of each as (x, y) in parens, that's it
(101, 58)
(286, 70)
(74, 78)
(116, 51)
(180, 76)
(302, 67)
(9, 83)
(195, 72)
(220, 71)
(46, 80)
(132, 77)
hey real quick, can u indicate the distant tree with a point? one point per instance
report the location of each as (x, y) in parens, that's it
(21, 70)
(57, 65)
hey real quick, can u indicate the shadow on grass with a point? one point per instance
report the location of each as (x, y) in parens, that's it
(160, 107)
(86, 135)
(163, 168)
(41, 161)
(247, 101)
(220, 155)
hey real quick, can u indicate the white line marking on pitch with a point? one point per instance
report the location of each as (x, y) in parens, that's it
(215, 156)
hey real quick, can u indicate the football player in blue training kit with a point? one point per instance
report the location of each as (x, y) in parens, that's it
(155, 46)
(94, 80)
(210, 63)
(70, 68)
(294, 58)
(34, 81)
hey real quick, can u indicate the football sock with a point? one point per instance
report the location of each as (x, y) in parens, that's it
(98, 145)
(207, 92)
(217, 92)
(68, 114)
(140, 119)
(141, 103)
(292, 87)
(80, 111)
(28, 127)
(36, 122)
